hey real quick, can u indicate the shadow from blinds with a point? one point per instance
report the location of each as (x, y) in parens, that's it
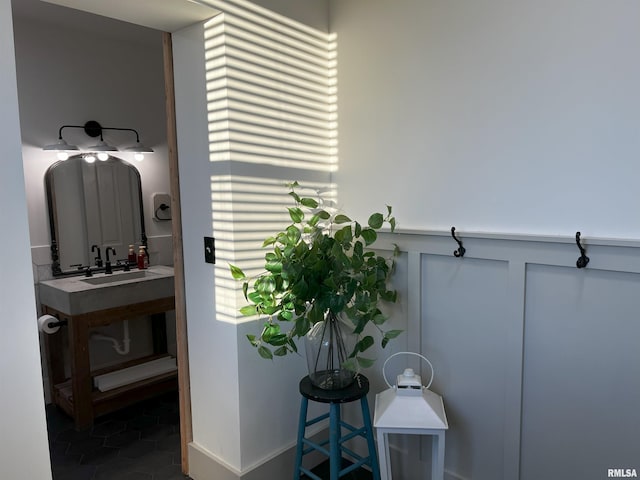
(272, 118)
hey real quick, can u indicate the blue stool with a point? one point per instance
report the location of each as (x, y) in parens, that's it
(356, 391)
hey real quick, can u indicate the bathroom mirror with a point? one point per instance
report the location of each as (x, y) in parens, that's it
(92, 205)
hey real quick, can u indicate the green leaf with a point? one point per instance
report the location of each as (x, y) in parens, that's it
(389, 335)
(362, 322)
(253, 341)
(249, 310)
(269, 331)
(302, 326)
(264, 352)
(266, 284)
(365, 343)
(245, 289)
(295, 196)
(341, 219)
(392, 222)
(323, 214)
(389, 296)
(309, 202)
(376, 220)
(313, 221)
(269, 309)
(365, 362)
(316, 314)
(278, 340)
(350, 365)
(379, 319)
(274, 266)
(254, 297)
(268, 241)
(236, 272)
(343, 236)
(281, 352)
(357, 230)
(369, 235)
(285, 316)
(296, 214)
(393, 333)
(293, 234)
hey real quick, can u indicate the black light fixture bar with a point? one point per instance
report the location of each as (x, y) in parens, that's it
(93, 129)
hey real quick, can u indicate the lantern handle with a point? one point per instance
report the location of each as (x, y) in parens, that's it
(407, 353)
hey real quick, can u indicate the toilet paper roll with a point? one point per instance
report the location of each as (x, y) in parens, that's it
(44, 321)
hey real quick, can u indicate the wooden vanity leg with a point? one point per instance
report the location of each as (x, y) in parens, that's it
(159, 332)
(54, 350)
(80, 372)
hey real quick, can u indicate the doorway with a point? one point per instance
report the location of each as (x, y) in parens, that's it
(76, 70)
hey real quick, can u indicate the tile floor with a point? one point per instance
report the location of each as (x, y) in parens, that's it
(322, 471)
(141, 442)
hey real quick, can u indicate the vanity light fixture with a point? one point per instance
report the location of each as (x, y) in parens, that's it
(101, 149)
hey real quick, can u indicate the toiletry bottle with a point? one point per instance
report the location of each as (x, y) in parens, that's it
(146, 258)
(131, 258)
(141, 257)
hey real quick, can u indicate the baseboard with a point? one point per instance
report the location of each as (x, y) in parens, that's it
(204, 465)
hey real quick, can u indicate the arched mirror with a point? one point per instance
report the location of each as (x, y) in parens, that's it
(92, 206)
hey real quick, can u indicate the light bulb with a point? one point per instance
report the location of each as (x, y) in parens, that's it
(103, 156)
(138, 156)
(62, 156)
(89, 158)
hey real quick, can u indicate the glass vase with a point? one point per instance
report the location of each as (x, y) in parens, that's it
(328, 345)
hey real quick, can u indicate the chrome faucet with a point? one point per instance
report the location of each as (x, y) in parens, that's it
(107, 265)
(98, 259)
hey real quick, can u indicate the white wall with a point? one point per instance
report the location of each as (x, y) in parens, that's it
(24, 451)
(491, 115)
(244, 408)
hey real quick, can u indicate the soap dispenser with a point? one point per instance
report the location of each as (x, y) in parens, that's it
(132, 259)
(142, 255)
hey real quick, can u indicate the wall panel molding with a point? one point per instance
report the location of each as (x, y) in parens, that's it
(441, 284)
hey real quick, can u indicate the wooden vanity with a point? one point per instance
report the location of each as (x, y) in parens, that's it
(76, 394)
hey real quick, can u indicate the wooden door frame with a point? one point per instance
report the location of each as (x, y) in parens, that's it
(186, 431)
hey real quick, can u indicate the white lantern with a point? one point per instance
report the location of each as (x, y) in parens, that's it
(412, 409)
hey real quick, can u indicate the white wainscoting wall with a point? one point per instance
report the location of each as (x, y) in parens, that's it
(537, 360)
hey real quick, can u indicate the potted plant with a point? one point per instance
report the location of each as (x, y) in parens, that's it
(322, 281)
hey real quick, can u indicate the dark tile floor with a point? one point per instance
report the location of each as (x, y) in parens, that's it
(323, 472)
(141, 442)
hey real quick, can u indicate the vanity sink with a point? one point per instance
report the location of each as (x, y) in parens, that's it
(78, 295)
(117, 277)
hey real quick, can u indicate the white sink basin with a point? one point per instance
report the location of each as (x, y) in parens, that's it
(78, 295)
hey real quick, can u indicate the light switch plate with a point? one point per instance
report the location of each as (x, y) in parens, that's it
(209, 250)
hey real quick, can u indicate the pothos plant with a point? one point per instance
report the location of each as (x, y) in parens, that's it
(320, 265)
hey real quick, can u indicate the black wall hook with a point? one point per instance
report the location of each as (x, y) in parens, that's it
(460, 251)
(583, 260)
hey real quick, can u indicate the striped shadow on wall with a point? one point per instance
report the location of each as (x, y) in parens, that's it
(272, 118)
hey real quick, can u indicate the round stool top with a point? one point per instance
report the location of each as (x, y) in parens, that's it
(358, 389)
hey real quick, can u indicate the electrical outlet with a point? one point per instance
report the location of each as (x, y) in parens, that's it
(209, 250)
